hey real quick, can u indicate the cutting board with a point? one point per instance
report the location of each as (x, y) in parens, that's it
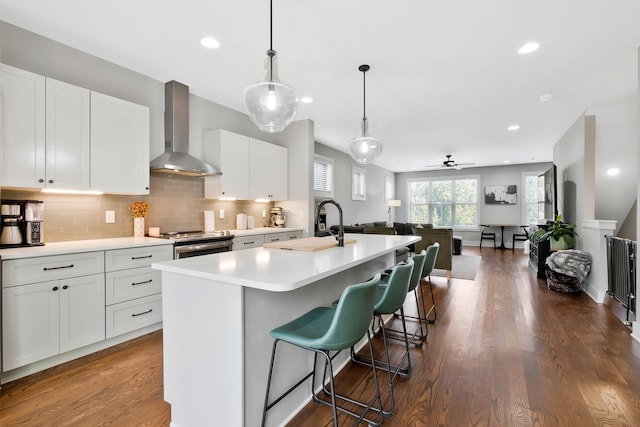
(310, 244)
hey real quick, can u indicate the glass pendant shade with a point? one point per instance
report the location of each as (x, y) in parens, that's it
(271, 105)
(365, 149)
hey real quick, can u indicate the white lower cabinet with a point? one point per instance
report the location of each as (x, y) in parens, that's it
(52, 305)
(281, 237)
(257, 240)
(44, 319)
(247, 242)
(134, 290)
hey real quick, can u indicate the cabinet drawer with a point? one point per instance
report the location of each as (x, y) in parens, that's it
(125, 285)
(131, 315)
(120, 259)
(246, 242)
(17, 272)
(281, 237)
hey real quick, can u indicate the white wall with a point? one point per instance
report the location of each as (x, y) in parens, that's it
(616, 139)
(356, 211)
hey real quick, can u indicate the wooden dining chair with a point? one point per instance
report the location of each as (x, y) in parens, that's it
(520, 237)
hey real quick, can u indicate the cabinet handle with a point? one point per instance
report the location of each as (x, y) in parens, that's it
(140, 314)
(141, 257)
(50, 181)
(58, 268)
(248, 243)
(41, 180)
(65, 287)
(275, 240)
(55, 288)
(142, 283)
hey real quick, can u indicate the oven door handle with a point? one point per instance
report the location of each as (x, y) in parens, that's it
(212, 246)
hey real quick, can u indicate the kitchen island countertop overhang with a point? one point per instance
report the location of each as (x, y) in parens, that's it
(279, 270)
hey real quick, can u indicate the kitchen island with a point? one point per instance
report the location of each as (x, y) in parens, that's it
(218, 310)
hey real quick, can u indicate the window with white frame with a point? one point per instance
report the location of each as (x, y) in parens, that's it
(323, 176)
(533, 206)
(444, 202)
(389, 191)
(358, 183)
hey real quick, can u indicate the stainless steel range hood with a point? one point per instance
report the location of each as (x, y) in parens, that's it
(176, 158)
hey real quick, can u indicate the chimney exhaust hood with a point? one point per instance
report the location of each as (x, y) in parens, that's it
(176, 158)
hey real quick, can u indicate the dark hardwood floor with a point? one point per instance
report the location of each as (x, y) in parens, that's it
(505, 351)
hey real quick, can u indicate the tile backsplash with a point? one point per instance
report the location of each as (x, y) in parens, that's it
(176, 204)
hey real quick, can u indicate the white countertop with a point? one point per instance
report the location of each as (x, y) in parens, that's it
(75, 246)
(280, 270)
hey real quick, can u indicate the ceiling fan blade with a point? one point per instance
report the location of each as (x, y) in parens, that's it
(435, 166)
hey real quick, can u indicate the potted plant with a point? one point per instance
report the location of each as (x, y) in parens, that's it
(560, 234)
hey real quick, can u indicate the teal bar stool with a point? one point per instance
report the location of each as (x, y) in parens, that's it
(326, 329)
(429, 265)
(390, 299)
(419, 335)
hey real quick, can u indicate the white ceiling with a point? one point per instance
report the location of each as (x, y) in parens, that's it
(445, 76)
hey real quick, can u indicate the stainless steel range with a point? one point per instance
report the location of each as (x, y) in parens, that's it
(196, 243)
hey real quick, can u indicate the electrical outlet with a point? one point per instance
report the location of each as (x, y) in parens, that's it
(110, 217)
(221, 214)
(264, 213)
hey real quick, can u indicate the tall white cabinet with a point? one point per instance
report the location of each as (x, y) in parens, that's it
(119, 145)
(268, 166)
(60, 136)
(67, 136)
(229, 152)
(23, 128)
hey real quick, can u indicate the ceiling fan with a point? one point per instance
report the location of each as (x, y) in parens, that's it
(450, 164)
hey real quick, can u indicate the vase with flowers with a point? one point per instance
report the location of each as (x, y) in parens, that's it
(138, 210)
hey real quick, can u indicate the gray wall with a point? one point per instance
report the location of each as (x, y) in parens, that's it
(489, 214)
(356, 211)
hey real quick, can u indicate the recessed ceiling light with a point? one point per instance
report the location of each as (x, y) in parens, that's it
(528, 48)
(513, 128)
(210, 42)
(545, 97)
(306, 99)
(613, 171)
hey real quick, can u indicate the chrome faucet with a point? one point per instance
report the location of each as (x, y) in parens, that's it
(340, 236)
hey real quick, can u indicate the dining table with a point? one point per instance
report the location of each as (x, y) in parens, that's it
(502, 227)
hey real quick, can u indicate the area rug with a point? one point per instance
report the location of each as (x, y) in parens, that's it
(464, 267)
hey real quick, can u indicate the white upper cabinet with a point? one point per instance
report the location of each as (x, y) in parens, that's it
(23, 128)
(229, 152)
(119, 145)
(67, 136)
(60, 136)
(268, 171)
(251, 169)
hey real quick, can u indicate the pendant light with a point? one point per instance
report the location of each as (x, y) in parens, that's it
(365, 149)
(271, 105)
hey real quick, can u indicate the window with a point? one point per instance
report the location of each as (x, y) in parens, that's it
(444, 202)
(389, 191)
(533, 206)
(358, 183)
(323, 176)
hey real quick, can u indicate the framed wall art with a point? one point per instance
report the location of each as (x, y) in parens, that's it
(500, 194)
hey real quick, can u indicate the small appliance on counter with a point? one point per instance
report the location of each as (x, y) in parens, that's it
(21, 223)
(278, 217)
